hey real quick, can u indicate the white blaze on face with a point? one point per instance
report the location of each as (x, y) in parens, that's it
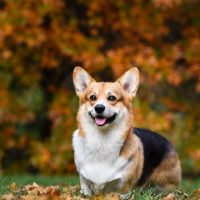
(100, 101)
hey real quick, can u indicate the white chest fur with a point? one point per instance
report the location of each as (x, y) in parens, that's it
(97, 157)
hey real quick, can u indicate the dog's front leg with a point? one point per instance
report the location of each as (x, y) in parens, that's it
(85, 187)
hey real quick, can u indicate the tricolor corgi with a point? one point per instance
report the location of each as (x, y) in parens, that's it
(110, 155)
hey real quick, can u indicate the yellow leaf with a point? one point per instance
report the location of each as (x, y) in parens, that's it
(13, 186)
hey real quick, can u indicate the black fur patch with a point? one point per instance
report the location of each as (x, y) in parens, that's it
(155, 148)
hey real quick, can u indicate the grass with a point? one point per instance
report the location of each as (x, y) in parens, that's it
(190, 185)
(187, 186)
(6, 181)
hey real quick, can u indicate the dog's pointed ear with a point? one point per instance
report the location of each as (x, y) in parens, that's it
(81, 79)
(130, 81)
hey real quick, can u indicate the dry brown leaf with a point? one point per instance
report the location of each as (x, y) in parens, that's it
(68, 197)
(112, 196)
(9, 196)
(170, 196)
(40, 190)
(71, 189)
(27, 197)
(196, 193)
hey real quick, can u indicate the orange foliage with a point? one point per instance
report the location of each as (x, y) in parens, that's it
(42, 41)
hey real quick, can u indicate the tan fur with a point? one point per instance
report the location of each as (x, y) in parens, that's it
(128, 149)
(132, 150)
(168, 173)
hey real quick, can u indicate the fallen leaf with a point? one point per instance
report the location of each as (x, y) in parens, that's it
(170, 196)
(13, 186)
(113, 196)
(196, 193)
(9, 196)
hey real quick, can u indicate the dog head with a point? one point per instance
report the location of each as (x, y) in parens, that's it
(105, 103)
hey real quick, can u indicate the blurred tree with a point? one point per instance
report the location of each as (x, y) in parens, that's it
(41, 41)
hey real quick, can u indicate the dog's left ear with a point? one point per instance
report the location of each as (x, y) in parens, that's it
(130, 81)
(81, 80)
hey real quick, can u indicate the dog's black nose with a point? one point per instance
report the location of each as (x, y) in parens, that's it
(99, 108)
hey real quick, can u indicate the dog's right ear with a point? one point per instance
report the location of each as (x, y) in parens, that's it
(81, 79)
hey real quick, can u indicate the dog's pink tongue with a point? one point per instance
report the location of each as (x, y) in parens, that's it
(100, 121)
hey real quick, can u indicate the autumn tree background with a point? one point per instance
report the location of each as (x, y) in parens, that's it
(41, 41)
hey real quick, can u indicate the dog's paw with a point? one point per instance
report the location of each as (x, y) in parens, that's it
(85, 192)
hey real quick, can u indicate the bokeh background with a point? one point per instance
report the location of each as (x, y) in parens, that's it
(41, 41)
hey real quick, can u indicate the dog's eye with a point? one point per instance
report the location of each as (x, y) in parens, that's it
(111, 98)
(93, 98)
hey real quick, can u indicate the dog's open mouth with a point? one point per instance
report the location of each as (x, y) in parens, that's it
(101, 120)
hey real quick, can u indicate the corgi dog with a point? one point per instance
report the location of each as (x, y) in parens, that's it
(110, 155)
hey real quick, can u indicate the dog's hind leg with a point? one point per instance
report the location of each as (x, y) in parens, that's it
(168, 174)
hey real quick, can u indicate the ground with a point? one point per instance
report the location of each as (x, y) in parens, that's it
(67, 187)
